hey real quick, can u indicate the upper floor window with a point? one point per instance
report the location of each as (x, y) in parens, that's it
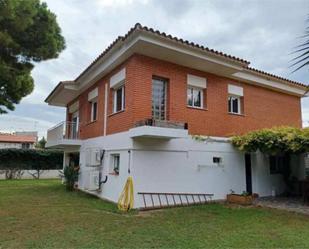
(93, 100)
(117, 84)
(119, 99)
(234, 103)
(195, 97)
(235, 99)
(196, 87)
(94, 110)
(159, 99)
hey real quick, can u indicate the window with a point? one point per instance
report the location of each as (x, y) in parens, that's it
(195, 97)
(94, 110)
(234, 103)
(115, 164)
(158, 99)
(119, 99)
(278, 164)
(25, 146)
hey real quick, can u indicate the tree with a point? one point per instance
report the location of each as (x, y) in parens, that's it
(29, 33)
(41, 143)
(302, 59)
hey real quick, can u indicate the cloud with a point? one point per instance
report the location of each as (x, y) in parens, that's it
(261, 31)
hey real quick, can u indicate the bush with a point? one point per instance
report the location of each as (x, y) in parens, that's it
(70, 174)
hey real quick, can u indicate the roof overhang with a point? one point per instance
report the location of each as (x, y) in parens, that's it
(161, 47)
(63, 94)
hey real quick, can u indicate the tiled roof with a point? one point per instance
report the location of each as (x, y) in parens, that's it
(9, 138)
(276, 76)
(138, 26)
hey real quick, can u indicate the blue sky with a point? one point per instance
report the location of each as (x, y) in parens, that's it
(261, 31)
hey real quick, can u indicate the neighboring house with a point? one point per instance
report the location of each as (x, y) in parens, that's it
(133, 110)
(18, 140)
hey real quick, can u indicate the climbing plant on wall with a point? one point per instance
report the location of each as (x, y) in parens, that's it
(274, 141)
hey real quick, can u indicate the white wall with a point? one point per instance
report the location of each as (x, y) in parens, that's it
(117, 143)
(263, 182)
(45, 174)
(177, 165)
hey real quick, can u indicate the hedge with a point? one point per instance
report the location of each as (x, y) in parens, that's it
(30, 159)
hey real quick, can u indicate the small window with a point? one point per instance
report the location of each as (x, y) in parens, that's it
(94, 110)
(25, 146)
(234, 103)
(195, 97)
(277, 164)
(115, 164)
(119, 99)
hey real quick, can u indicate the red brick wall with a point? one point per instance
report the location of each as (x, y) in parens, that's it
(262, 107)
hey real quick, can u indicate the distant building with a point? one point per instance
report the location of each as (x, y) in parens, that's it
(18, 140)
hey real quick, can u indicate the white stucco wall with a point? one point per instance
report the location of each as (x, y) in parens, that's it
(45, 174)
(176, 165)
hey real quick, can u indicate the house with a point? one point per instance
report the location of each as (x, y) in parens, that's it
(136, 108)
(18, 140)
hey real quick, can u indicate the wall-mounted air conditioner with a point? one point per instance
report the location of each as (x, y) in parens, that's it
(93, 157)
(93, 180)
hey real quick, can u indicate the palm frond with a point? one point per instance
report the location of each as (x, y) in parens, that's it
(302, 59)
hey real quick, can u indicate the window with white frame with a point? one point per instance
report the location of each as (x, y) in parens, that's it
(195, 97)
(119, 99)
(94, 110)
(235, 99)
(234, 103)
(115, 164)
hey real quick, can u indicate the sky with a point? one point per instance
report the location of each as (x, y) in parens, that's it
(264, 32)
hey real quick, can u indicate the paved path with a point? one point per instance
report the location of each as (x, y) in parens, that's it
(293, 204)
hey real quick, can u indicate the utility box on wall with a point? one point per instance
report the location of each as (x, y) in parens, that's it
(92, 179)
(93, 157)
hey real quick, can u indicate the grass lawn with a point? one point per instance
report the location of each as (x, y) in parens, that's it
(41, 214)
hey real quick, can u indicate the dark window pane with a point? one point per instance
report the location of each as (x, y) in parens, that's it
(118, 99)
(235, 105)
(94, 111)
(230, 104)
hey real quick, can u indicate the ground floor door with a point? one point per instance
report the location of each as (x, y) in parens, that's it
(248, 173)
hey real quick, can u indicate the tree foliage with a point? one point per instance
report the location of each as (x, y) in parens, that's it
(29, 33)
(41, 143)
(278, 140)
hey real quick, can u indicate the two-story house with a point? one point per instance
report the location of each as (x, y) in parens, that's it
(134, 109)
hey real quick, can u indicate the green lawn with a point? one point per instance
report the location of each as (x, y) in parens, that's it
(41, 214)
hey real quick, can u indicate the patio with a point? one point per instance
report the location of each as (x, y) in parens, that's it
(291, 204)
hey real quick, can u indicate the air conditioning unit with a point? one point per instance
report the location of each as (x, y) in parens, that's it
(93, 157)
(93, 180)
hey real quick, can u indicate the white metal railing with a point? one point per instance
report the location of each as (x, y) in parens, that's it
(63, 130)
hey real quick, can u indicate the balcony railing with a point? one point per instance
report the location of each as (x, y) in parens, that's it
(162, 124)
(62, 132)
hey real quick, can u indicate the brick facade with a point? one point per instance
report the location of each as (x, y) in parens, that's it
(261, 107)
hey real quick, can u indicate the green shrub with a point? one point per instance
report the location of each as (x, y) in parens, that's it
(70, 174)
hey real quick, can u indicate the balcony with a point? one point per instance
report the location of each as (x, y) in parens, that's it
(64, 135)
(161, 129)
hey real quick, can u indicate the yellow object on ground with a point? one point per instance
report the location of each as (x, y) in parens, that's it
(126, 199)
